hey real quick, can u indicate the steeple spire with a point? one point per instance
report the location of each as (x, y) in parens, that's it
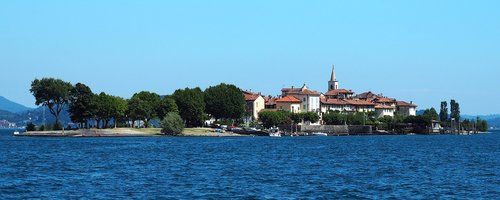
(333, 84)
(333, 78)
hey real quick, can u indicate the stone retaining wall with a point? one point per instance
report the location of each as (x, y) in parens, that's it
(330, 129)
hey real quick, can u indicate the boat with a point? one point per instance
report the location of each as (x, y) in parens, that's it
(319, 134)
(274, 132)
(16, 133)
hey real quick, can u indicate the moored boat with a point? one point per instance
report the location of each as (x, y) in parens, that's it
(319, 134)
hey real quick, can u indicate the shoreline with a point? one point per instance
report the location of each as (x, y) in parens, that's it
(189, 132)
(127, 132)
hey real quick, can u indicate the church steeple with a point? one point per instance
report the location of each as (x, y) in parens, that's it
(333, 84)
(333, 78)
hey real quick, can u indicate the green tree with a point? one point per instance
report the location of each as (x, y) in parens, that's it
(334, 118)
(225, 101)
(81, 106)
(109, 108)
(430, 114)
(167, 105)
(144, 106)
(297, 117)
(172, 124)
(191, 105)
(481, 125)
(53, 93)
(30, 126)
(455, 110)
(443, 113)
(273, 118)
(311, 117)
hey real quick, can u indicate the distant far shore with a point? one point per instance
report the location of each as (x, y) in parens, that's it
(125, 132)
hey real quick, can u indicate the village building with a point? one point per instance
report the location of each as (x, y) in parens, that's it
(289, 103)
(270, 103)
(406, 109)
(310, 100)
(254, 104)
(343, 100)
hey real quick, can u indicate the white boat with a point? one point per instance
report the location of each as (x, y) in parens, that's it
(275, 132)
(16, 133)
(319, 134)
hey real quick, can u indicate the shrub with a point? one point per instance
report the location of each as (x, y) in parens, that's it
(172, 124)
(41, 128)
(30, 127)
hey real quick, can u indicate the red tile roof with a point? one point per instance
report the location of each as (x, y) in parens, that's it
(299, 91)
(339, 91)
(360, 103)
(250, 96)
(270, 101)
(405, 104)
(366, 95)
(346, 102)
(384, 100)
(288, 99)
(333, 102)
(382, 106)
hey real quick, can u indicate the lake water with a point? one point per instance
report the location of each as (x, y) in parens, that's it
(403, 167)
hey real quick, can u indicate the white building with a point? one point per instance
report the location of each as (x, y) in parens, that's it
(309, 98)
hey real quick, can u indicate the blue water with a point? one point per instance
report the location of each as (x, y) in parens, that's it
(403, 167)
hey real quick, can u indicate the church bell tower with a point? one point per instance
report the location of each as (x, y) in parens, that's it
(333, 84)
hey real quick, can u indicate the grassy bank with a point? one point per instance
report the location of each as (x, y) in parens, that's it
(208, 132)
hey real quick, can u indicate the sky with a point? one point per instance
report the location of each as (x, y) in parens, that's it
(420, 51)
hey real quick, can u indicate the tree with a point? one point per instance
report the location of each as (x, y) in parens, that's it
(297, 117)
(172, 124)
(225, 101)
(334, 118)
(119, 107)
(482, 125)
(430, 114)
(81, 106)
(191, 105)
(53, 93)
(443, 114)
(144, 106)
(273, 118)
(167, 105)
(311, 117)
(109, 107)
(455, 110)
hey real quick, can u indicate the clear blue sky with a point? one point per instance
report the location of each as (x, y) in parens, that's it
(421, 51)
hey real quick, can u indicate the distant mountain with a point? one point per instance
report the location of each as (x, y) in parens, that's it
(485, 117)
(10, 116)
(8, 105)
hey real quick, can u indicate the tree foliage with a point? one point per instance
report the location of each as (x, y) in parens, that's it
(273, 118)
(430, 114)
(109, 108)
(334, 118)
(311, 117)
(53, 93)
(225, 101)
(172, 124)
(455, 110)
(443, 113)
(81, 104)
(167, 105)
(143, 106)
(191, 105)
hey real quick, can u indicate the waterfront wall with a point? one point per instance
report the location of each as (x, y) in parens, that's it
(330, 129)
